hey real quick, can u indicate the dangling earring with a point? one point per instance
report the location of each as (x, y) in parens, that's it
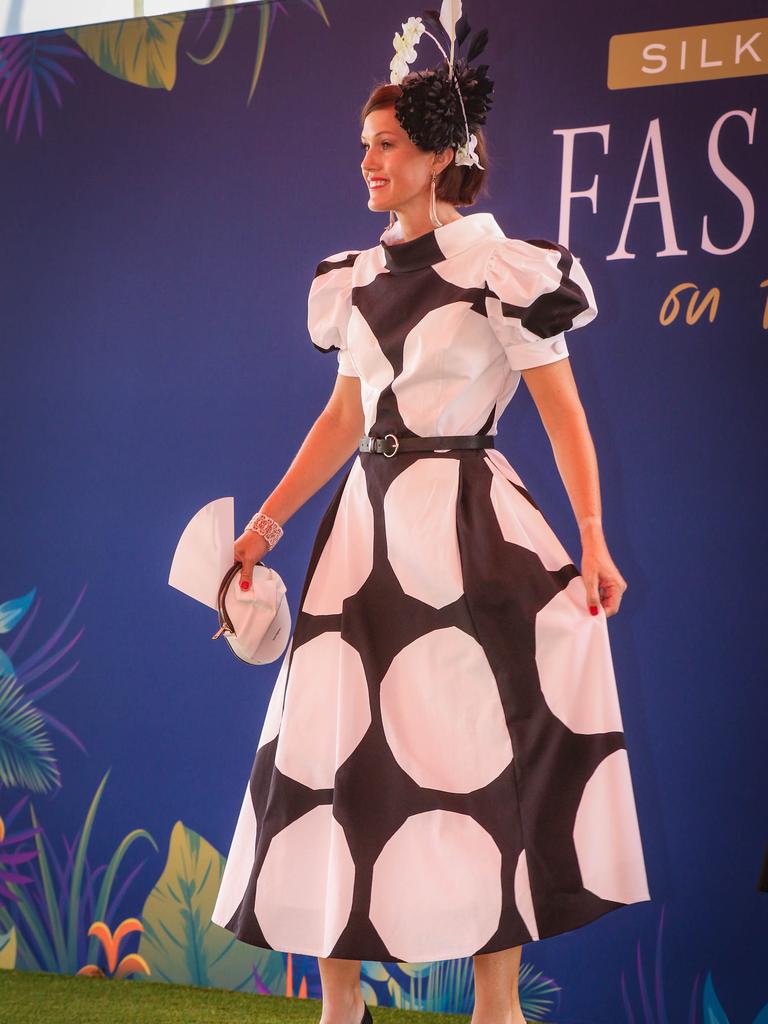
(432, 207)
(391, 218)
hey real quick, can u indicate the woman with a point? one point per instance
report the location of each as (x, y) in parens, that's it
(442, 770)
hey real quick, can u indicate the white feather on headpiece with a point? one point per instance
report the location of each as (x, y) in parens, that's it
(450, 13)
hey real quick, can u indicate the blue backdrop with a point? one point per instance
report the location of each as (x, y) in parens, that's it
(160, 231)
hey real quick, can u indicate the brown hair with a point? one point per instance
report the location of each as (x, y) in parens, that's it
(458, 185)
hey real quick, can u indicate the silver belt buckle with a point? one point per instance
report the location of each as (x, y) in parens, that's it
(397, 445)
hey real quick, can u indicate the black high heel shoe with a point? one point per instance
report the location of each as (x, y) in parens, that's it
(367, 1018)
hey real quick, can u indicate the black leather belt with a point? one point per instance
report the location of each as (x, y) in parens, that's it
(390, 444)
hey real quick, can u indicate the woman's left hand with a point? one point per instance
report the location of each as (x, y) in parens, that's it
(605, 584)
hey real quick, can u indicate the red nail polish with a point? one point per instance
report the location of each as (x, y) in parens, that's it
(244, 584)
(593, 609)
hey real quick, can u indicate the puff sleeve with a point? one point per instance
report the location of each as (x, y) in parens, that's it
(329, 307)
(536, 290)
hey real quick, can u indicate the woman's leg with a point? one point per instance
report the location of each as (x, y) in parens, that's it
(497, 999)
(342, 999)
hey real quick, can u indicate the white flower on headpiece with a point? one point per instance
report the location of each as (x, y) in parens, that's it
(466, 155)
(412, 30)
(405, 52)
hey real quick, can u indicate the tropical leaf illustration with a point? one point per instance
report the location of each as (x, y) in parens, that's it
(139, 50)
(14, 610)
(704, 1005)
(26, 752)
(266, 17)
(29, 66)
(131, 963)
(12, 856)
(291, 989)
(26, 757)
(268, 10)
(180, 943)
(712, 1009)
(8, 950)
(447, 986)
(50, 915)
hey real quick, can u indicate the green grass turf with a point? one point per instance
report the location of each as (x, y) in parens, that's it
(32, 997)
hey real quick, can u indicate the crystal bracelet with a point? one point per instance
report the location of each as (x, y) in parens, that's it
(266, 527)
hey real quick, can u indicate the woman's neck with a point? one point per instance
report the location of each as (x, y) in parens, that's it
(415, 225)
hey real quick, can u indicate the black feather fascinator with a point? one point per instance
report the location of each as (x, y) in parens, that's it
(442, 106)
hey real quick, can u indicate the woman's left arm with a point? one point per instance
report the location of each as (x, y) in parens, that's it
(553, 389)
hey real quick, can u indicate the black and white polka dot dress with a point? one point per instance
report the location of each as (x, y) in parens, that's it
(442, 769)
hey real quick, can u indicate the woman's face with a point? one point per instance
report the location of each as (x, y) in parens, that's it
(396, 172)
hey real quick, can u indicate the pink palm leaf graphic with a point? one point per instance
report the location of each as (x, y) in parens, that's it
(28, 66)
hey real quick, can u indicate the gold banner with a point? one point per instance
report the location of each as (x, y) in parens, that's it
(726, 49)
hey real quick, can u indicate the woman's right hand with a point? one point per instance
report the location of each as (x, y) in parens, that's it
(250, 548)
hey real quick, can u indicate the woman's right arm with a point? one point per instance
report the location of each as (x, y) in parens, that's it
(332, 439)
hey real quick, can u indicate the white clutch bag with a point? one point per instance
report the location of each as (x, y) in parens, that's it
(256, 623)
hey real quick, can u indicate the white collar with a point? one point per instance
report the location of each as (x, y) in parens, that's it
(438, 244)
